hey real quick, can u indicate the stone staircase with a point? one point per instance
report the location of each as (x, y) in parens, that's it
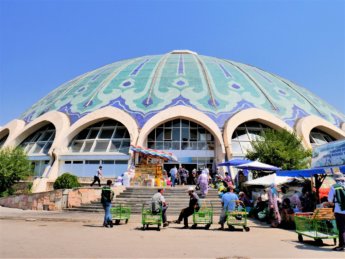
(135, 197)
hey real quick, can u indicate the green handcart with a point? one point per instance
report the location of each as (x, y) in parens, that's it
(119, 213)
(318, 225)
(149, 218)
(204, 215)
(237, 217)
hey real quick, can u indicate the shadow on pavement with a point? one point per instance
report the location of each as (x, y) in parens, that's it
(93, 226)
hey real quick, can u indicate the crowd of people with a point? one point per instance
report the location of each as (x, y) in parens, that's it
(274, 205)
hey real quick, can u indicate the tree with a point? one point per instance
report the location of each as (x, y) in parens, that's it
(280, 148)
(14, 166)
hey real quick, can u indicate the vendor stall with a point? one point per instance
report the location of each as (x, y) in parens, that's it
(149, 166)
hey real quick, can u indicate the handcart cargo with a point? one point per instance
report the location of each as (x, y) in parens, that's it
(318, 225)
(204, 215)
(237, 217)
(120, 212)
(150, 218)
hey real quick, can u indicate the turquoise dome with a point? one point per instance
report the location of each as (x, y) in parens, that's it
(217, 87)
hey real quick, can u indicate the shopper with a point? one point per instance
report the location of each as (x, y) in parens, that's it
(194, 205)
(229, 200)
(336, 196)
(107, 196)
(97, 176)
(158, 203)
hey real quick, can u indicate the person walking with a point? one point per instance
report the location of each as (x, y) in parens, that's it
(336, 196)
(194, 204)
(97, 176)
(173, 172)
(229, 200)
(203, 184)
(107, 196)
(158, 203)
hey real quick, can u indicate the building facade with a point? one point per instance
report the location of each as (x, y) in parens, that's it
(203, 109)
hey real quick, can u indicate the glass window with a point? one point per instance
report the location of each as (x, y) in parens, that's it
(88, 145)
(108, 162)
(167, 134)
(151, 136)
(93, 134)
(159, 134)
(106, 133)
(176, 123)
(236, 147)
(193, 134)
(46, 136)
(76, 146)
(101, 146)
(91, 162)
(115, 145)
(176, 134)
(47, 147)
(184, 135)
(99, 136)
(83, 134)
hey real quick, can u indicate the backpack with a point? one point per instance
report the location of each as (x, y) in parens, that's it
(339, 195)
(107, 195)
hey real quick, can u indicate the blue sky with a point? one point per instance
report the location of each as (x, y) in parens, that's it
(45, 43)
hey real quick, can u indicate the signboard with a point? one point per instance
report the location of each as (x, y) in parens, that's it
(331, 154)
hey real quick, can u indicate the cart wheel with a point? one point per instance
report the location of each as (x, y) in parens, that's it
(231, 228)
(334, 241)
(194, 226)
(319, 242)
(300, 238)
(247, 229)
(117, 222)
(207, 226)
(126, 221)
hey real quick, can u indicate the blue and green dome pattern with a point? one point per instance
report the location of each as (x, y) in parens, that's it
(217, 87)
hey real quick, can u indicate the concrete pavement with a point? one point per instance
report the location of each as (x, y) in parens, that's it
(42, 234)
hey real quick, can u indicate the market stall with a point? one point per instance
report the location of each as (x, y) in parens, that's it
(149, 166)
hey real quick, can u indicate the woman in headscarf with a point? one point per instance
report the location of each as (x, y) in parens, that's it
(203, 184)
(273, 204)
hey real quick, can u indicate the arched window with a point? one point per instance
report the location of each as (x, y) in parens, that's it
(40, 141)
(3, 140)
(318, 137)
(180, 134)
(104, 136)
(244, 135)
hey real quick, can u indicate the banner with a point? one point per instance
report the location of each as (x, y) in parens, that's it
(331, 154)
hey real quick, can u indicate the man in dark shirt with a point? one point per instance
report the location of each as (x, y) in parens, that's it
(193, 205)
(106, 198)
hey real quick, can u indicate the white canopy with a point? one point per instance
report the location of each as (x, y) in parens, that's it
(269, 179)
(256, 165)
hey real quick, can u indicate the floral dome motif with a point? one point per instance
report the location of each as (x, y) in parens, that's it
(217, 87)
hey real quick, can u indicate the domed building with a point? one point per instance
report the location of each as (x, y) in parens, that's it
(203, 109)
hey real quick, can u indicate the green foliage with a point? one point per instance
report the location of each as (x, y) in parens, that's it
(66, 181)
(282, 149)
(14, 166)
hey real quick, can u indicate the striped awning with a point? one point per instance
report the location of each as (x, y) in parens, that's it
(154, 153)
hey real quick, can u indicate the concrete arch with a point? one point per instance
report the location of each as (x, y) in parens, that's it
(96, 116)
(187, 113)
(305, 125)
(13, 128)
(58, 119)
(252, 114)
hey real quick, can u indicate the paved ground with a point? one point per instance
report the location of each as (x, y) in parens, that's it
(26, 234)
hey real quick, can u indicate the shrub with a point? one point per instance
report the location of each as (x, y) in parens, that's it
(66, 181)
